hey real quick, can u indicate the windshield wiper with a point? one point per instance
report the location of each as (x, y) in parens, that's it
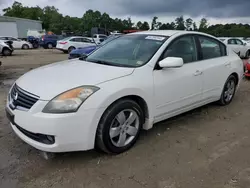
(104, 63)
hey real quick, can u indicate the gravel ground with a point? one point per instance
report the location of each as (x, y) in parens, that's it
(204, 148)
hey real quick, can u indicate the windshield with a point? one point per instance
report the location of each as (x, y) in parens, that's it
(128, 51)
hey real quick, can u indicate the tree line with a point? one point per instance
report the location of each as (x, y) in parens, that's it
(54, 21)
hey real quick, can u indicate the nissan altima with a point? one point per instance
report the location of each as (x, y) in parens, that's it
(105, 99)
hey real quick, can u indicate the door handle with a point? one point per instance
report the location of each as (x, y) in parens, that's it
(197, 73)
(227, 64)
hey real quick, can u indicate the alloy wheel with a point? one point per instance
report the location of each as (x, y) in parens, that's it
(124, 128)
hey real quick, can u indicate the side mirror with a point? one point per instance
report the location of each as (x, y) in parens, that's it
(245, 44)
(171, 62)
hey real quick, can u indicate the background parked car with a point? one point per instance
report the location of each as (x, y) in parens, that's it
(237, 45)
(6, 48)
(17, 43)
(99, 38)
(86, 50)
(71, 43)
(48, 41)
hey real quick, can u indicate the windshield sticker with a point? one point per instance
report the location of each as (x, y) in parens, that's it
(158, 38)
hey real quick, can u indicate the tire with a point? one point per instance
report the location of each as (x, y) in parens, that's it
(35, 45)
(130, 131)
(49, 45)
(71, 48)
(25, 46)
(6, 52)
(247, 54)
(226, 98)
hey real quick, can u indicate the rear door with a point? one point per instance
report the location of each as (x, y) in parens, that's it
(234, 46)
(76, 42)
(87, 42)
(17, 44)
(243, 49)
(216, 66)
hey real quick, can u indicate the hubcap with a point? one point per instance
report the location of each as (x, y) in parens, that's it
(229, 91)
(124, 128)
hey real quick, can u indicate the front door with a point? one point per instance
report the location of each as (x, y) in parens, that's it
(178, 89)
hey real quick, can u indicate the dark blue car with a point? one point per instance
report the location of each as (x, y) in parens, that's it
(48, 41)
(86, 50)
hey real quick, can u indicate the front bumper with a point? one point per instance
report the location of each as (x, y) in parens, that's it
(71, 132)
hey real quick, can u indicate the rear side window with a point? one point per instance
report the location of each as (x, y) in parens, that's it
(231, 41)
(211, 48)
(76, 40)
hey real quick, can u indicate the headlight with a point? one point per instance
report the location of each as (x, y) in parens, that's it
(69, 101)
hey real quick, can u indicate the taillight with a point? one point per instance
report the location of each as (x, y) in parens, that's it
(63, 42)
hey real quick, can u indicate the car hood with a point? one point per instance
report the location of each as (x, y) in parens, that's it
(50, 80)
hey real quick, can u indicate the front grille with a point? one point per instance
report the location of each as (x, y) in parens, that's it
(22, 98)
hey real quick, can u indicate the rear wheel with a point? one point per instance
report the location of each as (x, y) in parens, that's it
(119, 127)
(228, 91)
(71, 48)
(50, 46)
(25, 47)
(6, 52)
(247, 54)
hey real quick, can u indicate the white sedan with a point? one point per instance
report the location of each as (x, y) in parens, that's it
(238, 46)
(71, 43)
(17, 43)
(104, 100)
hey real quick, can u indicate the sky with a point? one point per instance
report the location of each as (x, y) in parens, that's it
(216, 11)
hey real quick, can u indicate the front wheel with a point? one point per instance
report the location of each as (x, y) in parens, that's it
(228, 91)
(6, 52)
(119, 127)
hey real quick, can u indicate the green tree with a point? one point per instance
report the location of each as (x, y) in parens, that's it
(180, 23)
(188, 24)
(154, 23)
(145, 26)
(195, 27)
(203, 24)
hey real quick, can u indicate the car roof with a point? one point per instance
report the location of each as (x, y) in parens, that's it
(168, 33)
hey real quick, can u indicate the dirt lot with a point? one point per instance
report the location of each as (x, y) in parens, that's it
(205, 148)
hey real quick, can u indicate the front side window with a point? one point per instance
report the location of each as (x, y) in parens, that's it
(210, 48)
(128, 51)
(86, 40)
(184, 48)
(239, 42)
